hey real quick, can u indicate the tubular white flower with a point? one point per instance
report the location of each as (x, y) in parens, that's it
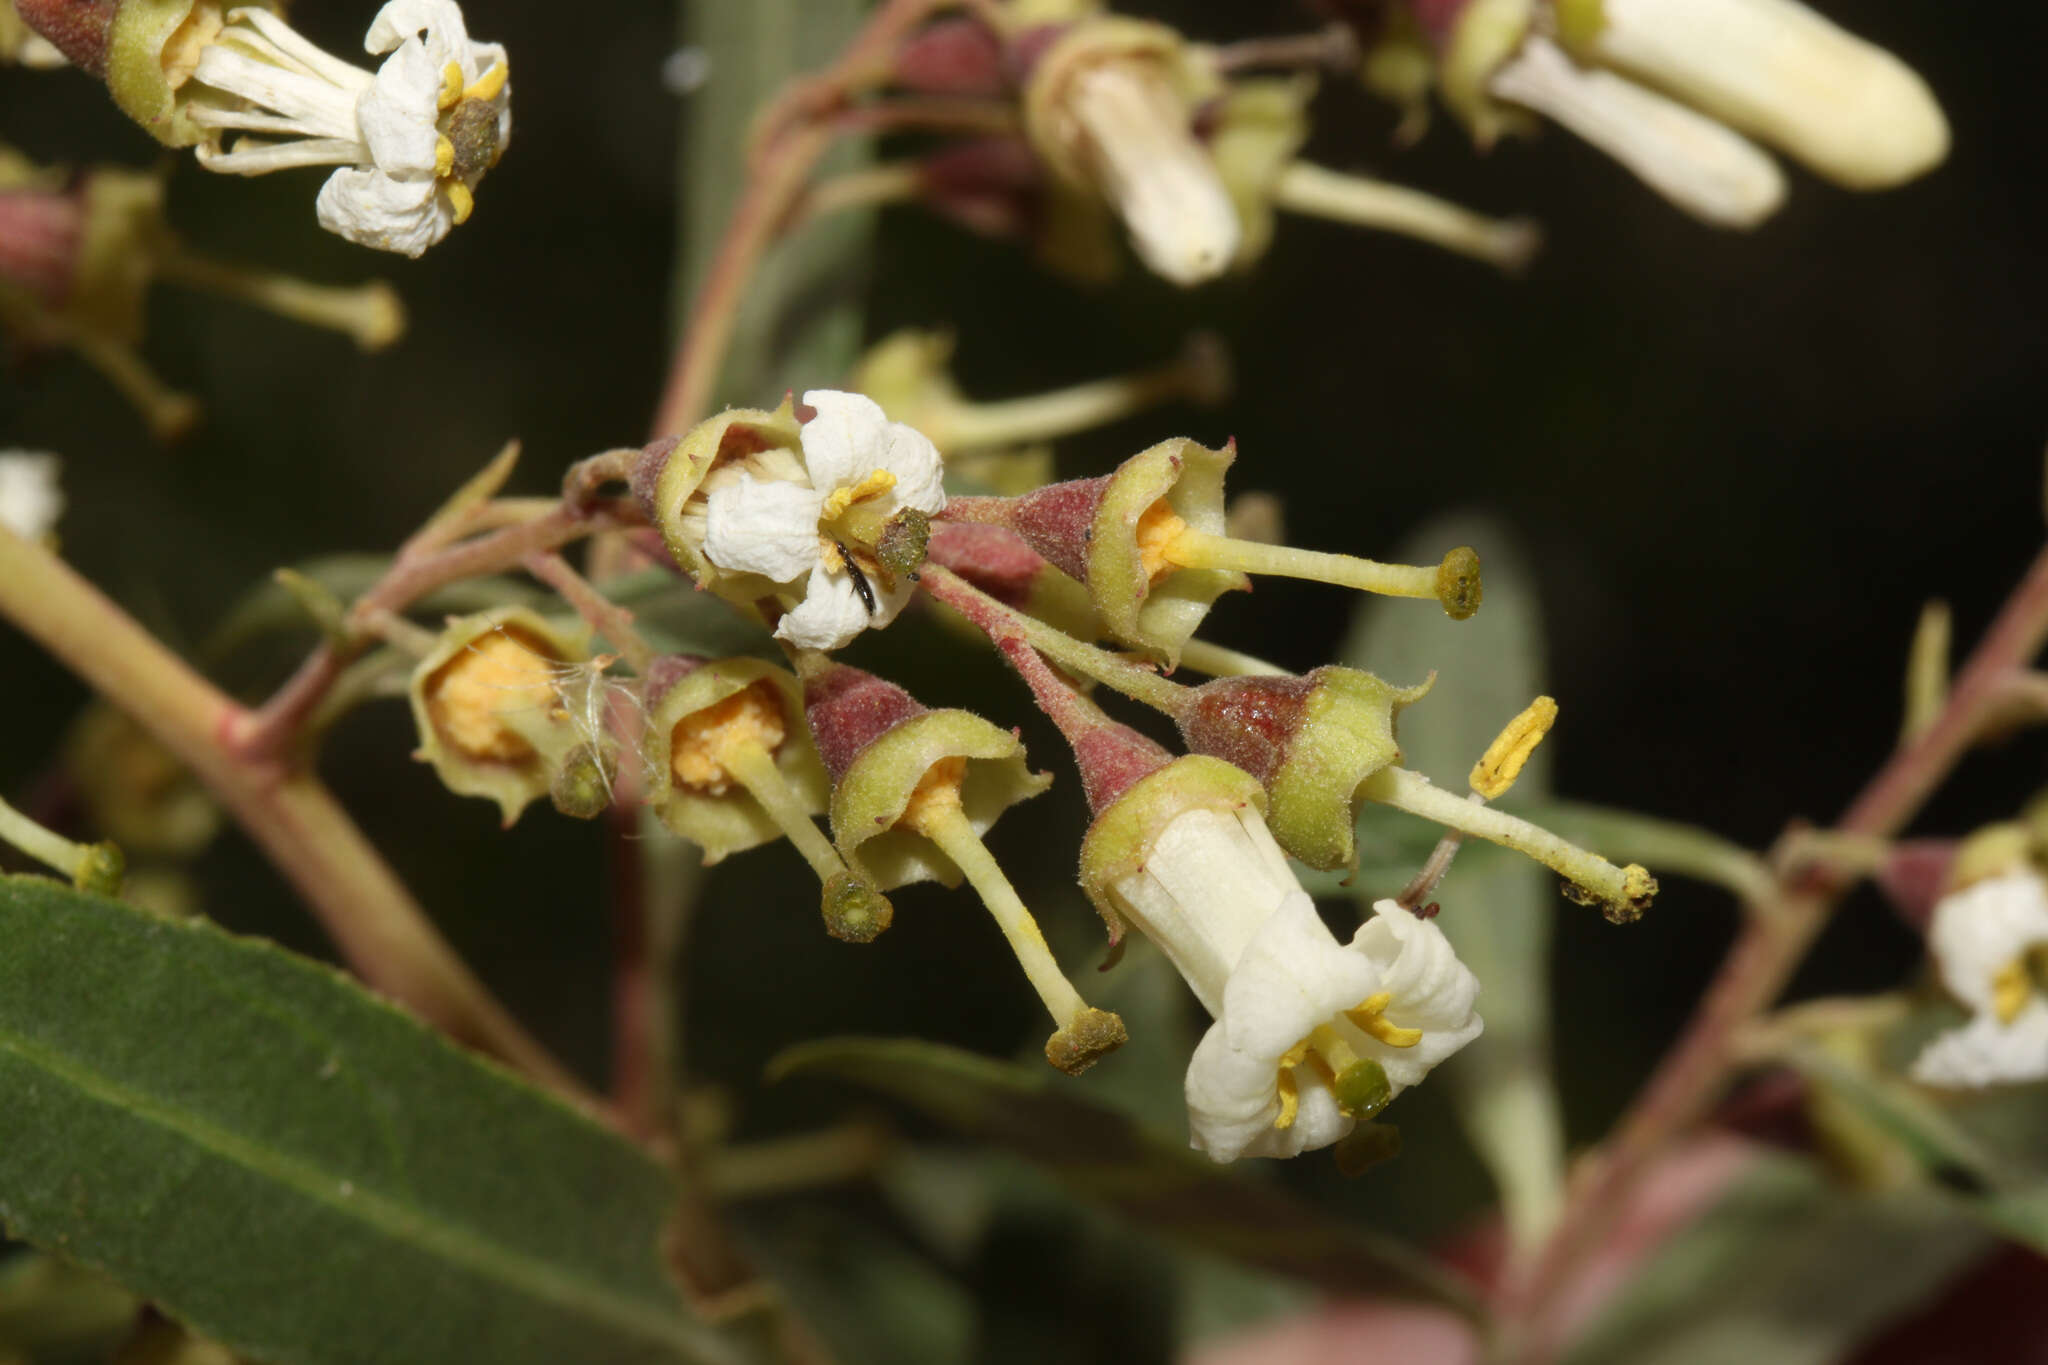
(858, 464)
(412, 139)
(1713, 173)
(1989, 942)
(1848, 110)
(1162, 182)
(1217, 895)
(30, 498)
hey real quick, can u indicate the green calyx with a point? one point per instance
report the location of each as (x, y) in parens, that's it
(489, 706)
(731, 436)
(1121, 838)
(152, 48)
(878, 786)
(1158, 617)
(722, 817)
(1344, 736)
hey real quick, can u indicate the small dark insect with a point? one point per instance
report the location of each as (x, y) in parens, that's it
(860, 580)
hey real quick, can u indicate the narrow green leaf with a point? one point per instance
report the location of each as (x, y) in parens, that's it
(302, 1172)
(1497, 905)
(1785, 1269)
(1106, 1158)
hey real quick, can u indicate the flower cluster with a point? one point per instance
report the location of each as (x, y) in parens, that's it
(827, 518)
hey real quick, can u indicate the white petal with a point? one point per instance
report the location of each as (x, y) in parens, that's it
(1233, 1099)
(845, 442)
(1432, 989)
(1210, 881)
(1851, 111)
(30, 498)
(1985, 1052)
(1162, 182)
(371, 209)
(315, 108)
(397, 114)
(1978, 931)
(447, 38)
(829, 617)
(766, 528)
(1716, 175)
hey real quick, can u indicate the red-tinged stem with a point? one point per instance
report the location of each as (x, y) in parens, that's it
(1774, 940)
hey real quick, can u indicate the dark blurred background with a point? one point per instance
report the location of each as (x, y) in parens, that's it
(1741, 464)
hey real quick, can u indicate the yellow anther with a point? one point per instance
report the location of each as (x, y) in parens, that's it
(1290, 1091)
(1370, 1016)
(874, 485)
(2010, 989)
(451, 86)
(461, 201)
(444, 157)
(487, 86)
(1502, 763)
(1157, 530)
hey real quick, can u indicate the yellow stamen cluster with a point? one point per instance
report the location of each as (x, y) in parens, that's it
(1157, 530)
(2016, 982)
(1370, 1017)
(457, 166)
(702, 747)
(1326, 1051)
(874, 485)
(499, 674)
(937, 794)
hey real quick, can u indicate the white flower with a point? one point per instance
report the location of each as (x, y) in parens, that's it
(1988, 942)
(812, 538)
(1164, 185)
(1294, 1008)
(1775, 69)
(30, 500)
(413, 139)
(1716, 175)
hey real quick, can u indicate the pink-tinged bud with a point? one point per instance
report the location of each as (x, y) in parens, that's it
(849, 708)
(40, 233)
(1311, 741)
(79, 29)
(953, 57)
(997, 561)
(993, 186)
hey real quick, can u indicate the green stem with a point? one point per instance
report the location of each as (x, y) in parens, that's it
(375, 922)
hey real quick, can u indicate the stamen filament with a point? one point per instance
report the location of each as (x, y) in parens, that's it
(750, 762)
(1452, 582)
(372, 313)
(91, 867)
(1507, 243)
(994, 619)
(945, 824)
(1625, 890)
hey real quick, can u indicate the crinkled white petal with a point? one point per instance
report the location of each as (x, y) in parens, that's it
(1977, 931)
(397, 114)
(312, 106)
(1985, 1052)
(31, 499)
(371, 209)
(1292, 978)
(447, 37)
(851, 438)
(830, 615)
(1431, 989)
(768, 528)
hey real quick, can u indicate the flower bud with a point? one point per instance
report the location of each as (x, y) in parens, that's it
(1310, 741)
(675, 477)
(489, 706)
(1109, 108)
(701, 716)
(135, 791)
(1849, 111)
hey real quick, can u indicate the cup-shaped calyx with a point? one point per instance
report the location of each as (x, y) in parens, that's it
(1110, 109)
(1310, 741)
(728, 757)
(913, 792)
(502, 702)
(145, 51)
(676, 475)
